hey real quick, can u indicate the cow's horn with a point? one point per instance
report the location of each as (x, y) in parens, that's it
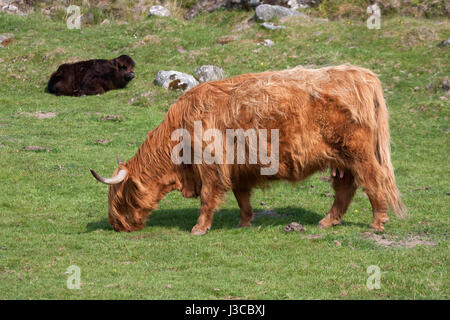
(118, 160)
(114, 180)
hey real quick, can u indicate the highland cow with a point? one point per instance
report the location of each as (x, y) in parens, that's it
(333, 117)
(92, 76)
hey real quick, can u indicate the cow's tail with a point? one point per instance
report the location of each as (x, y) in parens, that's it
(383, 154)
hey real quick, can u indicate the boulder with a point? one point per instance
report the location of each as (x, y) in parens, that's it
(208, 73)
(212, 5)
(268, 43)
(159, 11)
(15, 7)
(175, 80)
(5, 40)
(444, 43)
(303, 4)
(446, 83)
(294, 226)
(268, 12)
(271, 26)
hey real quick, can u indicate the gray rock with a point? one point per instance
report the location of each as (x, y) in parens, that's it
(268, 12)
(16, 7)
(294, 226)
(5, 39)
(87, 18)
(12, 8)
(303, 4)
(444, 43)
(271, 26)
(296, 4)
(268, 43)
(212, 5)
(254, 3)
(208, 73)
(205, 5)
(175, 80)
(446, 83)
(159, 11)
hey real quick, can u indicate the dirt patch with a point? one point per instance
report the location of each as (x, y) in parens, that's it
(36, 148)
(180, 49)
(139, 237)
(196, 53)
(246, 24)
(418, 36)
(41, 115)
(148, 39)
(103, 141)
(113, 117)
(394, 241)
(232, 298)
(52, 54)
(145, 96)
(313, 236)
(294, 226)
(422, 188)
(227, 39)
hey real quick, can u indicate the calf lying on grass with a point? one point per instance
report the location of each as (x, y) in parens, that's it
(333, 117)
(91, 76)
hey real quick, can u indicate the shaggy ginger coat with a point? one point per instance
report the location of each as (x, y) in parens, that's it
(334, 117)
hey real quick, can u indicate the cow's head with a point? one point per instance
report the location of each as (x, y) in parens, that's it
(130, 201)
(123, 70)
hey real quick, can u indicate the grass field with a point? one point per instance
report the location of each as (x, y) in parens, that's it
(53, 214)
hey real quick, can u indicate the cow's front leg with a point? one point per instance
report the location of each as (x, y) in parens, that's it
(210, 199)
(92, 90)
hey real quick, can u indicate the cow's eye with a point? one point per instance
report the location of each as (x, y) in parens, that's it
(122, 67)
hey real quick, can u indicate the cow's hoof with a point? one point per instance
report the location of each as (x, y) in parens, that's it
(377, 227)
(244, 224)
(326, 223)
(197, 232)
(323, 226)
(378, 223)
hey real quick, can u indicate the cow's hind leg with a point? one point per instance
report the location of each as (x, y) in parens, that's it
(210, 200)
(370, 176)
(344, 189)
(243, 199)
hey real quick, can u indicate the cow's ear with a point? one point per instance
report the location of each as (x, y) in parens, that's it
(137, 184)
(113, 63)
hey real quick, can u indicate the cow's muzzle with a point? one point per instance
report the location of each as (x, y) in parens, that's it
(129, 76)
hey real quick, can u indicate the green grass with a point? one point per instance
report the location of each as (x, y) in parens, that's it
(53, 214)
